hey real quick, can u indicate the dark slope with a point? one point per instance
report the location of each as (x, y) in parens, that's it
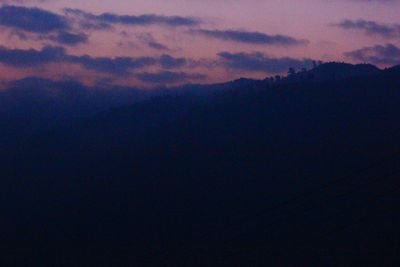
(188, 181)
(338, 71)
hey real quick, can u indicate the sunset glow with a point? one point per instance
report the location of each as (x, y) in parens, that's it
(148, 43)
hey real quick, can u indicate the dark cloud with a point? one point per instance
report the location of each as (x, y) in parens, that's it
(124, 65)
(169, 62)
(158, 46)
(49, 54)
(167, 77)
(107, 19)
(64, 38)
(31, 57)
(250, 37)
(31, 19)
(259, 62)
(71, 39)
(388, 54)
(117, 66)
(39, 24)
(371, 28)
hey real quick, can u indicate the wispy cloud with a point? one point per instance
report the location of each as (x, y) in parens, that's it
(388, 54)
(250, 37)
(20, 58)
(106, 20)
(149, 40)
(371, 27)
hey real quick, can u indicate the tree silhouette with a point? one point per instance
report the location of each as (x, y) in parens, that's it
(291, 72)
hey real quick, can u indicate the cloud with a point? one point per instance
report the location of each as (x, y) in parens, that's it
(116, 66)
(32, 19)
(259, 62)
(167, 77)
(29, 58)
(169, 62)
(39, 24)
(64, 38)
(20, 58)
(156, 45)
(250, 37)
(151, 42)
(68, 38)
(371, 28)
(388, 54)
(105, 20)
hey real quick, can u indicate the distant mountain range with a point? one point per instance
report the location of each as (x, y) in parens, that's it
(32, 104)
(73, 95)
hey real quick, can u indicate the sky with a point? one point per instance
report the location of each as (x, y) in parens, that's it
(146, 44)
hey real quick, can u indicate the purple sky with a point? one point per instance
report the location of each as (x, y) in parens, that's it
(148, 43)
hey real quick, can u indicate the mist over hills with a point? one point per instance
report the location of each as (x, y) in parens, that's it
(291, 171)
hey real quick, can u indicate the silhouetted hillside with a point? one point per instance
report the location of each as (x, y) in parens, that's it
(338, 71)
(258, 173)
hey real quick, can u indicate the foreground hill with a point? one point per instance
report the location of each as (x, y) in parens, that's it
(339, 71)
(288, 173)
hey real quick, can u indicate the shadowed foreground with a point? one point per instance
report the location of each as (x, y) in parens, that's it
(304, 172)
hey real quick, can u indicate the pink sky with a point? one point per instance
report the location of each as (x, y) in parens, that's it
(310, 20)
